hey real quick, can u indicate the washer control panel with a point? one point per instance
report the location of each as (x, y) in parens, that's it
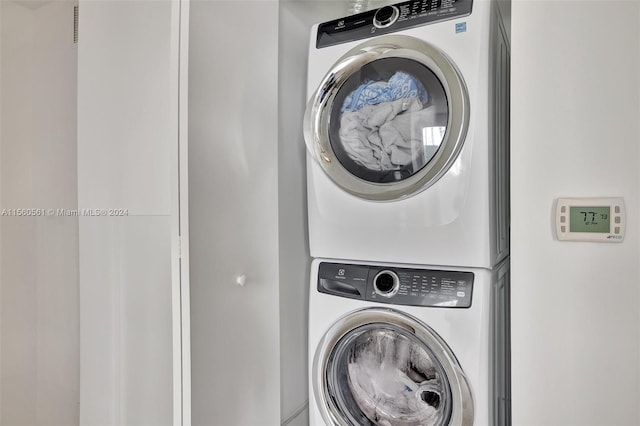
(389, 19)
(398, 286)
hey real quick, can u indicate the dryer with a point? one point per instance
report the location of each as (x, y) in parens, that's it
(401, 345)
(407, 134)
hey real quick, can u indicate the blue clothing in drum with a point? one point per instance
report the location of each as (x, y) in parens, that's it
(400, 86)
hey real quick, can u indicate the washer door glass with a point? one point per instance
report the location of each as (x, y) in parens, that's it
(380, 374)
(388, 120)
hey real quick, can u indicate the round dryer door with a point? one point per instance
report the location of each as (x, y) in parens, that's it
(389, 118)
(383, 367)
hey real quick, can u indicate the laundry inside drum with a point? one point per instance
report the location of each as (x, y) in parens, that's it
(396, 381)
(391, 120)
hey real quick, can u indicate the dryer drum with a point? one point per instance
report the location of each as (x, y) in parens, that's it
(389, 119)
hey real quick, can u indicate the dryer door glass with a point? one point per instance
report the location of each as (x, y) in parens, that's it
(380, 374)
(388, 120)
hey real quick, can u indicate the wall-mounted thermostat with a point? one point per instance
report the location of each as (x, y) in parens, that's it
(590, 219)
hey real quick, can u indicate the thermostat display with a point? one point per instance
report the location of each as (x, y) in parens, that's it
(590, 219)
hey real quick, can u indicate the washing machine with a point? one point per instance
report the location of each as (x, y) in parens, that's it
(407, 134)
(400, 345)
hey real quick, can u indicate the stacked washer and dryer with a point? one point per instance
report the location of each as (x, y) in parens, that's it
(407, 130)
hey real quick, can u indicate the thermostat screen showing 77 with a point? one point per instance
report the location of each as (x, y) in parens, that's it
(590, 219)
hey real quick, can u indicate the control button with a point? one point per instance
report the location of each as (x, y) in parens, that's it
(385, 16)
(563, 219)
(617, 230)
(563, 229)
(386, 283)
(617, 219)
(563, 209)
(616, 209)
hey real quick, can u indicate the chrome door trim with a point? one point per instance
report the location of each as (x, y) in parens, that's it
(462, 401)
(318, 113)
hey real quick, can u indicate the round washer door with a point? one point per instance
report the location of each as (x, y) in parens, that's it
(389, 118)
(383, 367)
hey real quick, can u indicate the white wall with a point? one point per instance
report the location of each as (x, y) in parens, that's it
(292, 221)
(575, 132)
(39, 272)
(247, 195)
(295, 21)
(116, 307)
(127, 159)
(1, 92)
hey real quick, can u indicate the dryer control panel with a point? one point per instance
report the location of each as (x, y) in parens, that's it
(397, 286)
(389, 19)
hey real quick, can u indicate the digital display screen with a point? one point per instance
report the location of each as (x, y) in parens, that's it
(590, 219)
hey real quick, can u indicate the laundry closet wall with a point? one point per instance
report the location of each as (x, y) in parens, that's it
(575, 132)
(295, 21)
(247, 78)
(87, 299)
(39, 314)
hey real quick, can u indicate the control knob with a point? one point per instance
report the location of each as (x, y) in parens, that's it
(386, 283)
(385, 16)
